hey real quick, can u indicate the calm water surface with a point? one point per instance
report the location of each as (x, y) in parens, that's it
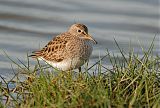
(28, 25)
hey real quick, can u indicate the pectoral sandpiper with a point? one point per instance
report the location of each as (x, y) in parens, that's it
(69, 50)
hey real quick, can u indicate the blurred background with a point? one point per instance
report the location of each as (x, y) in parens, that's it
(27, 25)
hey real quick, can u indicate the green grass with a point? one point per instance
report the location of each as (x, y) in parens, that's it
(132, 82)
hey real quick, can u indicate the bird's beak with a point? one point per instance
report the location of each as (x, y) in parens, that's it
(88, 36)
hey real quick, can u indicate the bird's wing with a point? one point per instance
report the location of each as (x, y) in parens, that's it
(54, 50)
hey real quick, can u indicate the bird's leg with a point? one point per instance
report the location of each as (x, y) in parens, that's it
(80, 73)
(79, 69)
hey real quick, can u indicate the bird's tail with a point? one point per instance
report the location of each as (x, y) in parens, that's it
(35, 54)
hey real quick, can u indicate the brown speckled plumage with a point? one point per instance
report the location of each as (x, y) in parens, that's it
(74, 45)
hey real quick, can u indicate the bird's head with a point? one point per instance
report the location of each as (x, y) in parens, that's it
(81, 31)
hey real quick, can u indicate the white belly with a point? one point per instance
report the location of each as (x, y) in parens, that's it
(68, 64)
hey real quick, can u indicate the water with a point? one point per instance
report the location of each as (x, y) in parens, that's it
(28, 25)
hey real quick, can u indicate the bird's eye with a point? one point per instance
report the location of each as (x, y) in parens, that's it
(79, 31)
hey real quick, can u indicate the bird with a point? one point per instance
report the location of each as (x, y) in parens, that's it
(68, 50)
